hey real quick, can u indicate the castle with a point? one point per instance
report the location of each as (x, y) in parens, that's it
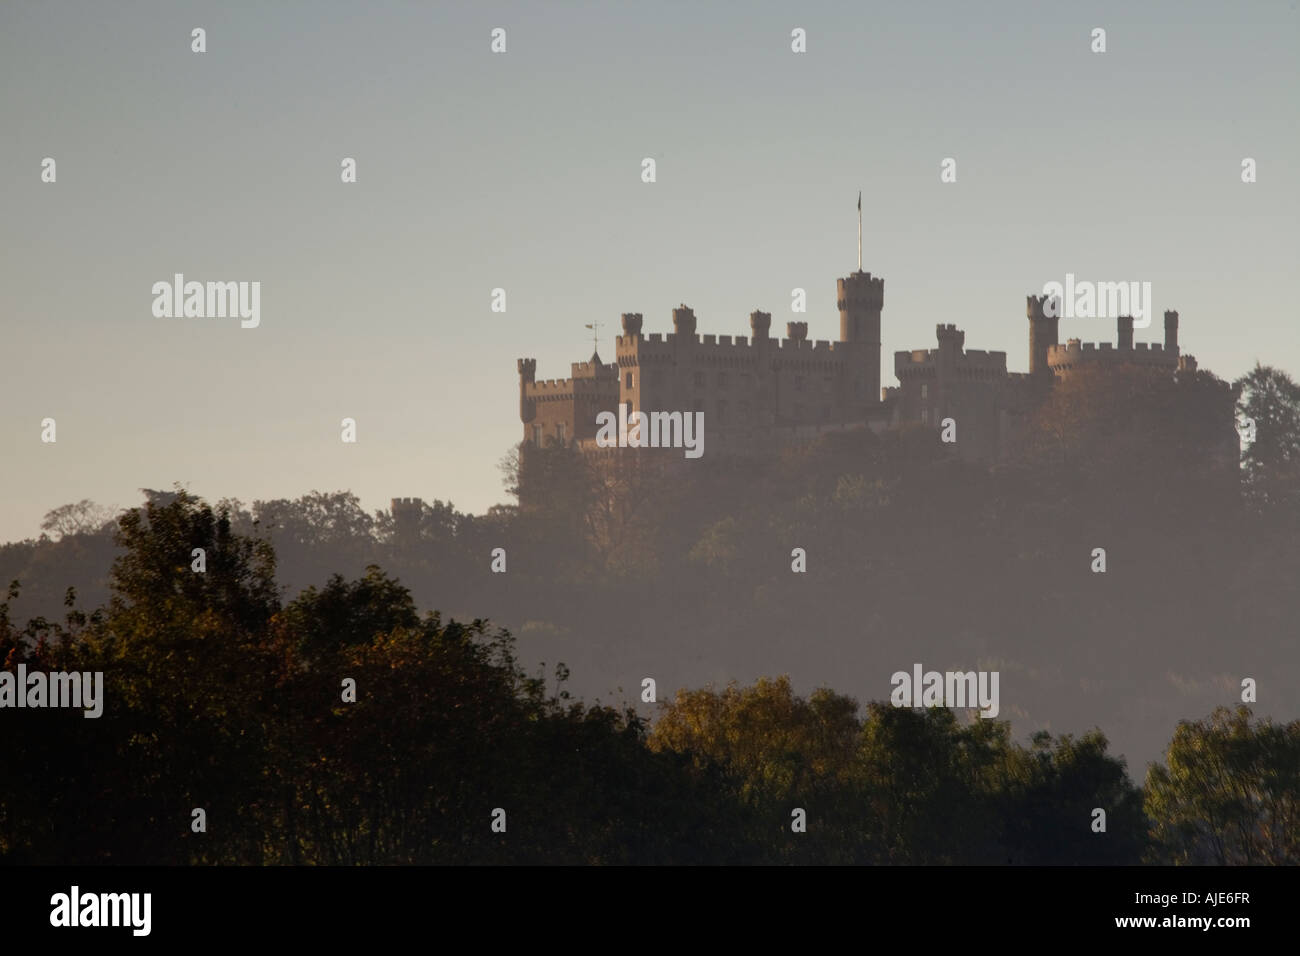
(759, 393)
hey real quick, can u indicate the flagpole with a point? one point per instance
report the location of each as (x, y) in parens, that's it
(859, 230)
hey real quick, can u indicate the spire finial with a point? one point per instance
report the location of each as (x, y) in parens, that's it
(595, 336)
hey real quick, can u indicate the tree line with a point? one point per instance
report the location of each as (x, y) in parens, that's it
(223, 698)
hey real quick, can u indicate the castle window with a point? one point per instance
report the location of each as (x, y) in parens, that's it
(699, 379)
(629, 380)
(537, 435)
(925, 391)
(559, 432)
(925, 416)
(828, 383)
(722, 379)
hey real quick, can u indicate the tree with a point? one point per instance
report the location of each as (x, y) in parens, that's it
(775, 742)
(155, 575)
(343, 614)
(903, 786)
(1270, 399)
(1228, 793)
(1050, 792)
(928, 785)
(776, 752)
(85, 517)
(316, 535)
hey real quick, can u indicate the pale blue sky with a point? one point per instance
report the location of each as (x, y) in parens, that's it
(523, 171)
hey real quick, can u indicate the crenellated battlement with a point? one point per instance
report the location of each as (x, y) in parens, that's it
(553, 385)
(803, 345)
(652, 343)
(968, 363)
(406, 511)
(589, 370)
(644, 343)
(1036, 307)
(975, 363)
(860, 292)
(951, 339)
(1063, 358)
(569, 385)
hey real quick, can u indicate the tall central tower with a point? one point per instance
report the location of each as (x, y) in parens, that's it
(860, 299)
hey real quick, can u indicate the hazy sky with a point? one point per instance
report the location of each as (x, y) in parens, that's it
(522, 171)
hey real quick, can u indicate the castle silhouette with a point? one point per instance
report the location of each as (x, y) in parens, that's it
(760, 393)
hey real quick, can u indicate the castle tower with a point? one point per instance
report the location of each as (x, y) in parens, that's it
(684, 323)
(951, 342)
(1043, 330)
(760, 324)
(406, 507)
(527, 376)
(406, 516)
(1125, 333)
(1171, 332)
(860, 299)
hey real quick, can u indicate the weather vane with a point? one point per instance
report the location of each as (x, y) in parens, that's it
(595, 335)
